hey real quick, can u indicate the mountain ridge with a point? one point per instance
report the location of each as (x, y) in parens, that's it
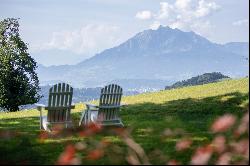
(164, 54)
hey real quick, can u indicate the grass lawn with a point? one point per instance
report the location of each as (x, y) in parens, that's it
(190, 110)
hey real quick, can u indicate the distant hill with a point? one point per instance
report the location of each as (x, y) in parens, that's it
(199, 80)
(163, 54)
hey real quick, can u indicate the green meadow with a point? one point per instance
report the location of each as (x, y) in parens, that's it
(189, 111)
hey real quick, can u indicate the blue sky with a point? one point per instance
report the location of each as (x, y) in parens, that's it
(74, 30)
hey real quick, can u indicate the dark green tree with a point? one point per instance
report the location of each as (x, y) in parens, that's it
(19, 84)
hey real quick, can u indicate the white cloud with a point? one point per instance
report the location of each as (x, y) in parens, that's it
(144, 15)
(183, 4)
(241, 22)
(165, 11)
(88, 39)
(186, 15)
(205, 8)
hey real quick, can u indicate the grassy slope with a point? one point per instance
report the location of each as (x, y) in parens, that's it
(192, 109)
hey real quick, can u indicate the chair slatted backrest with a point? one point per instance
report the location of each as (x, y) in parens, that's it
(110, 97)
(59, 104)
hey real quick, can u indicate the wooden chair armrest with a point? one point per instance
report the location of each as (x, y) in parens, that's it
(124, 104)
(91, 105)
(40, 106)
(73, 106)
(111, 106)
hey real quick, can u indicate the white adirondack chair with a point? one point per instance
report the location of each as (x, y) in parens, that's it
(107, 113)
(59, 106)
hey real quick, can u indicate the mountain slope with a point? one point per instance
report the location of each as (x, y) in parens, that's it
(239, 48)
(165, 54)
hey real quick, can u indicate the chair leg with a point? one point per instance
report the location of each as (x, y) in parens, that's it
(87, 117)
(68, 124)
(41, 123)
(121, 124)
(45, 123)
(82, 118)
(45, 126)
(41, 118)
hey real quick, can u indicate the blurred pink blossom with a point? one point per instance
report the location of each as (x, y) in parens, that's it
(95, 154)
(224, 159)
(219, 144)
(173, 162)
(67, 156)
(183, 144)
(202, 155)
(223, 123)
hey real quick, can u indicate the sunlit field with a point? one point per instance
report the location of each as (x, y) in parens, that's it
(149, 119)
